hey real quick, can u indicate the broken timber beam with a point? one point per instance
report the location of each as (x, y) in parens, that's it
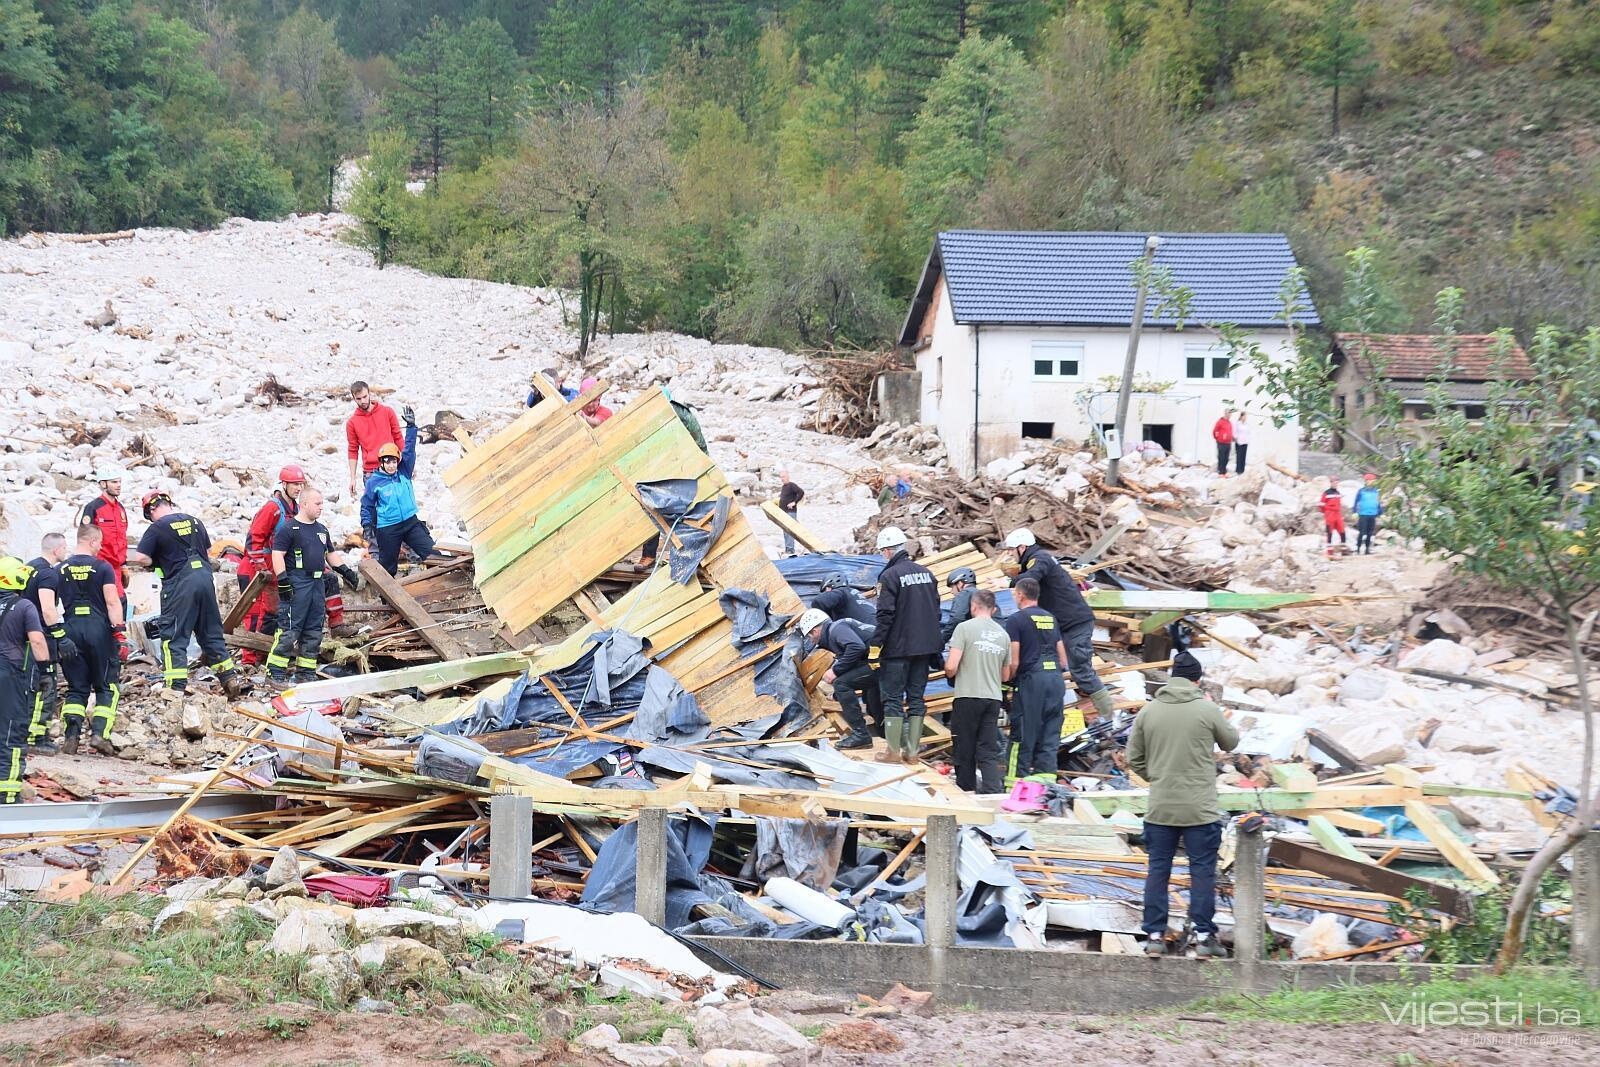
(429, 628)
(1369, 876)
(241, 608)
(793, 527)
(1461, 857)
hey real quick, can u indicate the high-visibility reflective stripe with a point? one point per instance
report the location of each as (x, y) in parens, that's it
(168, 671)
(72, 711)
(308, 662)
(83, 609)
(275, 660)
(1049, 664)
(224, 667)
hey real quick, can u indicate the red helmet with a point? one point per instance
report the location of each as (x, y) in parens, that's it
(292, 474)
(151, 499)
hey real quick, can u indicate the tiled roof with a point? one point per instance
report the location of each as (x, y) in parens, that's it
(1085, 279)
(1417, 356)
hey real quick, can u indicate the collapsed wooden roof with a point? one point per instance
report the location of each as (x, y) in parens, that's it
(552, 503)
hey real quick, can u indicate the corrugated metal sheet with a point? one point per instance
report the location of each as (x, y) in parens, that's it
(1085, 279)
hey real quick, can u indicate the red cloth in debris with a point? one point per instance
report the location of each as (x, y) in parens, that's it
(361, 890)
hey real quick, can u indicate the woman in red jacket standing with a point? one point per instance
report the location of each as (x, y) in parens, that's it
(1222, 434)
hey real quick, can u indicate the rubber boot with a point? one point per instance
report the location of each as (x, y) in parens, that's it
(893, 730)
(911, 742)
(233, 685)
(1104, 702)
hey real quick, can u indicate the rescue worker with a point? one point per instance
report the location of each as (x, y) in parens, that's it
(389, 504)
(839, 600)
(1060, 596)
(44, 593)
(106, 512)
(93, 620)
(965, 582)
(302, 557)
(22, 648)
(370, 426)
(1035, 672)
(262, 618)
(178, 547)
(850, 674)
(906, 636)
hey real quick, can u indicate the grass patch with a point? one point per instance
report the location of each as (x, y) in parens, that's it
(1525, 991)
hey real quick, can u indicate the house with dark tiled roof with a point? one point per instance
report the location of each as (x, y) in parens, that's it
(1467, 365)
(1023, 335)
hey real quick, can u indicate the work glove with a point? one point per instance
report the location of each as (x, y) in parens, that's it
(369, 534)
(285, 590)
(120, 632)
(352, 580)
(408, 416)
(67, 650)
(47, 668)
(874, 653)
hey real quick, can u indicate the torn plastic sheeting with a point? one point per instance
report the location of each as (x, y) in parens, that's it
(805, 574)
(985, 879)
(673, 501)
(752, 616)
(328, 736)
(612, 885)
(846, 775)
(678, 761)
(667, 713)
(806, 850)
(452, 759)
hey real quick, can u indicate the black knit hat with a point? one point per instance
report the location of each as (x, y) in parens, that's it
(1184, 665)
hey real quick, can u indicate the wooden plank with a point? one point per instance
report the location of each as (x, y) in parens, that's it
(1329, 837)
(1138, 800)
(1449, 845)
(794, 527)
(414, 613)
(1369, 876)
(1344, 820)
(1400, 775)
(1295, 777)
(241, 608)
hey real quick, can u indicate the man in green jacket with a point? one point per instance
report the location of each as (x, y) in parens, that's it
(1173, 747)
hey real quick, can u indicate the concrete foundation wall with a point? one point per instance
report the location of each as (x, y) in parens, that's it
(899, 397)
(999, 979)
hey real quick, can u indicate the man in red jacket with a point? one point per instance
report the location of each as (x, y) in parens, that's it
(371, 426)
(262, 618)
(1222, 434)
(106, 513)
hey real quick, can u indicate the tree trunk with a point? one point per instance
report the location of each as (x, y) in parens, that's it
(1527, 891)
(585, 297)
(333, 172)
(1336, 110)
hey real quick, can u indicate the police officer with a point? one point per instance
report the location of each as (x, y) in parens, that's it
(1035, 671)
(906, 635)
(1060, 596)
(840, 601)
(93, 621)
(44, 593)
(179, 549)
(850, 673)
(302, 554)
(964, 582)
(22, 647)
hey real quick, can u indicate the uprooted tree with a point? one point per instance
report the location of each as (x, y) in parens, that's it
(1499, 496)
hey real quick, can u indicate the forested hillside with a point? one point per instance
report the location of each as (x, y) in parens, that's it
(774, 172)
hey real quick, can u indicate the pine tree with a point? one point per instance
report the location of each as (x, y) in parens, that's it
(425, 97)
(489, 76)
(1339, 54)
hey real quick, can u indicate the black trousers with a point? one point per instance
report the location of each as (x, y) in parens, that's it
(975, 738)
(1201, 844)
(96, 672)
(46, 696)
(862, 680)
(14, 716)
(1238, 457)
(1040, 698)
(189, 608)
(1366, 528)
(300, 622)
(1222, 457)
(902, 683)
(412, 532)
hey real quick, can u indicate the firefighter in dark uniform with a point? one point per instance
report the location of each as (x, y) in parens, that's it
(44, 593)
(22, 650)
(1060, 596)
(179, 549)
(302, 557)
(850, 673)
(841, 601)
(93, 621)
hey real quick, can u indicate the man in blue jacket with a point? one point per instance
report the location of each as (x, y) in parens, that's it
(389, 504)
(1368, 508)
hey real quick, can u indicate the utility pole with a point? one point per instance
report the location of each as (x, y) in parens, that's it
(1126, 392)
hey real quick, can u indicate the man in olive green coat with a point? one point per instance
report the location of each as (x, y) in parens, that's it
(1173, 747)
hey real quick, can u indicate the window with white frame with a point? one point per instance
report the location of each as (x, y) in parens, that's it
(1206, 363)
(1057, 361)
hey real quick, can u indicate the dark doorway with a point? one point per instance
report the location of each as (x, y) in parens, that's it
(1039, 431)
(1160, 433)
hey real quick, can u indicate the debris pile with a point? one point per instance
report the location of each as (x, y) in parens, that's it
(847, 407)
(1497, 618)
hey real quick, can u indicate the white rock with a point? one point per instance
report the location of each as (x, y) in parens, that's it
(1462, 737)
(304, 932)
(334, 973)
(402, 959)
(1366, 683)
(443, 932)
(1440, 655)
(1276, 677)
(737, 1057)
(1235, 628)
(1371, 742)
(746, 1028)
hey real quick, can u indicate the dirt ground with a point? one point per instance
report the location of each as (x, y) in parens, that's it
(291, 1035)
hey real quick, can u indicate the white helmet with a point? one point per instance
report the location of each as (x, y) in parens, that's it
(1020, 538)
(813, 618)
(891, 537)
(108, 474)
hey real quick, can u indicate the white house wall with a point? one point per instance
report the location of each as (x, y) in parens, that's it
(1012, 395)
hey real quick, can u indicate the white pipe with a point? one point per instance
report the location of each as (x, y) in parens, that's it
(808, 903)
